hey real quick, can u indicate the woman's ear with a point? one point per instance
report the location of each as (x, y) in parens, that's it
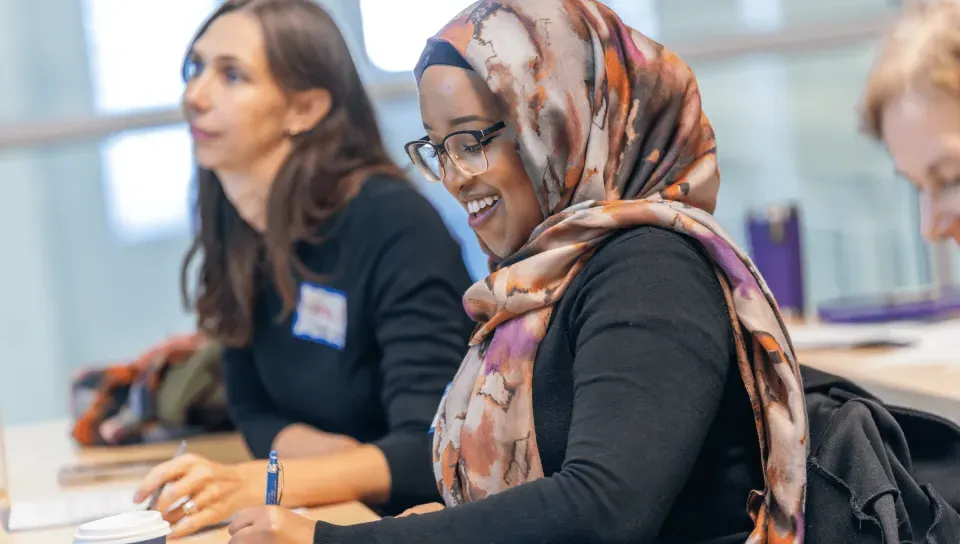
(307, 109)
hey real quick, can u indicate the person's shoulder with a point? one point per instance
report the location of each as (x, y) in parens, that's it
(646, 273)
(380, 185)
(663, 249)
(388, 208)
(393, 200)
(654, 266)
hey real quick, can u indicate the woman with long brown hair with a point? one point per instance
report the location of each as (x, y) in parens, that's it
(332, 283)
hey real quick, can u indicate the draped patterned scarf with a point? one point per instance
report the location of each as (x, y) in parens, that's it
(612, 134)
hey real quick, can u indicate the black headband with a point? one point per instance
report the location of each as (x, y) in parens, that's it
(439, 52)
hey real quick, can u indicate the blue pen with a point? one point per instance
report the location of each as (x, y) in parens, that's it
(273, 479)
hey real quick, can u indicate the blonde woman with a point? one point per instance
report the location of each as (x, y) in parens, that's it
(912, 105)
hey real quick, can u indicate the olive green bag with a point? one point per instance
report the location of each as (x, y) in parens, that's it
(192, 393)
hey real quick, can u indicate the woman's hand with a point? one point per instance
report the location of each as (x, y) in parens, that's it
(422, 509)
(212, 492)
(271, 525)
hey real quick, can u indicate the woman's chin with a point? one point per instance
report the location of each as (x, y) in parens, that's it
(205, 159)
(492, 250)
(498, 249)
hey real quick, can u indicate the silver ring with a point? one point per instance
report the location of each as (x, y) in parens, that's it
(189, 508)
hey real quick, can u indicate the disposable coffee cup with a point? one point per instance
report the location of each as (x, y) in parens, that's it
(144, 527)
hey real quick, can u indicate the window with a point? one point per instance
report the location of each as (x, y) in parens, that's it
(135, 51)
(147, 178)
(639, 14)
(761, 15)
(136, 48)
(421, 19)
(418, 19)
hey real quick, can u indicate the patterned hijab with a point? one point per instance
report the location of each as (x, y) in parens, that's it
(611, 132)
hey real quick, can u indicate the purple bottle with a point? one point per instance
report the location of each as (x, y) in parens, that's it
(777, 251)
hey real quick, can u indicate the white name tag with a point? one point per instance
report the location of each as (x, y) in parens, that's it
(321, 316)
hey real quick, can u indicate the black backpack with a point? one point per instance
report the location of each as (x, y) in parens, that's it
(878, 473)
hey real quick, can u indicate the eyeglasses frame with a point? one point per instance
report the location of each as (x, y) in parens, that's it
(482, 136)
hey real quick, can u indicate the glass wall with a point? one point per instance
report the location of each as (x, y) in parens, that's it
(94, 230)
(787, 131)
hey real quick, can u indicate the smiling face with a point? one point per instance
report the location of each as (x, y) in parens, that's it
(922, 133)
(501, 201)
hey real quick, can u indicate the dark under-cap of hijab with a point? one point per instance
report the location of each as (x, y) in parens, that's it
(439, 52)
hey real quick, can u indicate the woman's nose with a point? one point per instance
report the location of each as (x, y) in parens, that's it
(939, 217)
(453, 178)
(196, 97)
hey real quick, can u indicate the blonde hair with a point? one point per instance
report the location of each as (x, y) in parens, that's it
(922, 51)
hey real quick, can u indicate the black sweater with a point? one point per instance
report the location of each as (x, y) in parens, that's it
(644, 426)
(401, 275)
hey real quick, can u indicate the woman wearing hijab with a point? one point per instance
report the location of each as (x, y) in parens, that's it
(630, 379)
(912, 105)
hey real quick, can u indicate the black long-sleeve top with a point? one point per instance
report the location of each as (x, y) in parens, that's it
(643, 423)
(370, 349)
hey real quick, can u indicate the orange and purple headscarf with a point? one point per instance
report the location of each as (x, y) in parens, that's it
(612, 134)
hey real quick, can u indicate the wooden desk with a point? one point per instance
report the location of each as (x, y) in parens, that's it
(931, 387)
(36, 452)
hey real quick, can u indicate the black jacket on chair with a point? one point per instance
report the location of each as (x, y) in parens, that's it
(876, 473)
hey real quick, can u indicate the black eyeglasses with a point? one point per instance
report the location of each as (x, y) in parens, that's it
(465, 149)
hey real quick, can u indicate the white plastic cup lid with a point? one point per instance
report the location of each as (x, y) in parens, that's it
(129, 528)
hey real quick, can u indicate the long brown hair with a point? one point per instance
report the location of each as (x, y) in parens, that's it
(305, 50)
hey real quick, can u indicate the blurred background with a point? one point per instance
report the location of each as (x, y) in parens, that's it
(95, 164)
